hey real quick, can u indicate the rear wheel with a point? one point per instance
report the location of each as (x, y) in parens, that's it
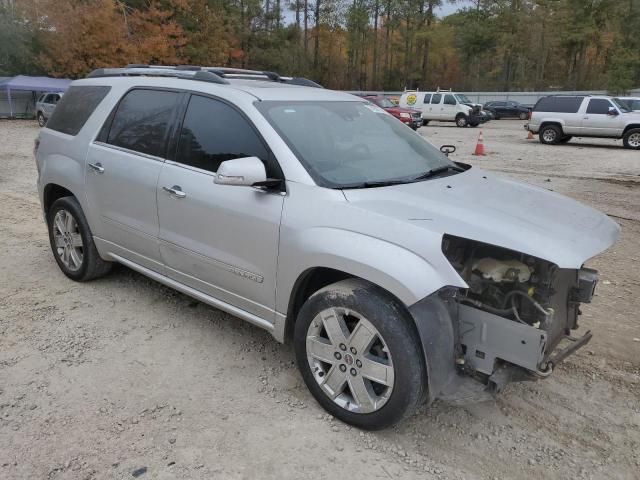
(41, 120)
(359, 354)
(72, 243)
(462, 121)
(631, 139)
(550, 134)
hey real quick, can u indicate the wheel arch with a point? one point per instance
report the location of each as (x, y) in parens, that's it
(630, 127)
(547, 123)
(51, 193)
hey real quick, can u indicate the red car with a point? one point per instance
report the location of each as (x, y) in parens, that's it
(408, 116)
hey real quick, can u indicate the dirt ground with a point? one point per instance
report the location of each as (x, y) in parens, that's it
(122, 377)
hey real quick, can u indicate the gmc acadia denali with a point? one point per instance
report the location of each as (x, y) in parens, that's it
(399, 276)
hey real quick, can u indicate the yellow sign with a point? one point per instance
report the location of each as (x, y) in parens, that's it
(411, 99)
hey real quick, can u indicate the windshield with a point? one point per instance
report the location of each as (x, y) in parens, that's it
(462, 98)
(384, 102)
(623, 105)
(347, 144)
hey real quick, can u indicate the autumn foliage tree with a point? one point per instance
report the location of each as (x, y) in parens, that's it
(347, 44)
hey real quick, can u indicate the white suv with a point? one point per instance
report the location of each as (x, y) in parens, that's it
(445, 106)
(398, 275)
(559, 118)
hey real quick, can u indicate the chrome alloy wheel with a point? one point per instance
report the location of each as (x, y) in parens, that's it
(549, 135)
(68, 240)
(350, 360)
(634, 140)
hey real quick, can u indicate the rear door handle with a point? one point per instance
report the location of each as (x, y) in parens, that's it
(176, 191)
(97, 167)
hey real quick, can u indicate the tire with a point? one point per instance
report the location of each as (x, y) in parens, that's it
(566, 139)
(462, 121)
(550, 134)
(69, 231)
(474, 125)
(41, 120)
(355, 310)
(425, 123)
(523, 116)
(631, 139)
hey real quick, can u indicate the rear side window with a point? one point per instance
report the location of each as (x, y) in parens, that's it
(141, 121)
(436, 98)
(449, 100)
(213, 132)
(75, 108)
(558, 104)
(599, 106)
(427, 98)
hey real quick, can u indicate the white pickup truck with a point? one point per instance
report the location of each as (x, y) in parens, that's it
(558, 118)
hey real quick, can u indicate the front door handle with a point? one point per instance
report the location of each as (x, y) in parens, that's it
(97, 167)
(176, 191)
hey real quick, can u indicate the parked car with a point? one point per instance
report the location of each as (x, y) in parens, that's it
(409, 116)
(399, 275)
(558, 118)
(632, 103)
(445, 106)
(45, 106)
(507, 109)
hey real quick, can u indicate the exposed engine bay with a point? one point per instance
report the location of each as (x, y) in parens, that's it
(517, 308)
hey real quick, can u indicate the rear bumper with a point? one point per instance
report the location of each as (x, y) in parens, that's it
(531, 128)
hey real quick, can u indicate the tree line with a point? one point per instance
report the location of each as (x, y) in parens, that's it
(342, 44)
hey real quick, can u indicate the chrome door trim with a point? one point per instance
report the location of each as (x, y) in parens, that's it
(126, 150)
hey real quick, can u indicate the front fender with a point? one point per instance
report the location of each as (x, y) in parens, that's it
(399, 271)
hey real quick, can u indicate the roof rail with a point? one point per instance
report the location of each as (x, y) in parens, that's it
(195, 72)
(190, 73)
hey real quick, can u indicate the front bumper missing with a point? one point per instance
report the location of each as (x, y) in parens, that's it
(488, 338)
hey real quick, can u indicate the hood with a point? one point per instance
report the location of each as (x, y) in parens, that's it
(484, 207)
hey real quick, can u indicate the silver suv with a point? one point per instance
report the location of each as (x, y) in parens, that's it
(45, 106)
(558, 118)
(399, 275)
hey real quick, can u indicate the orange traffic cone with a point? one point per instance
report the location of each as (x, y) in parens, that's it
(530, 135)
(480, 146)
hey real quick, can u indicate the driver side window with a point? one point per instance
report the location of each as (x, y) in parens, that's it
(213, 132)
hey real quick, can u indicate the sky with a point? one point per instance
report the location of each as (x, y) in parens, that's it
(448, 8)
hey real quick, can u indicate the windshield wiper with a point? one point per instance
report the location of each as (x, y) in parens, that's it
(437, 171)
(377, 183)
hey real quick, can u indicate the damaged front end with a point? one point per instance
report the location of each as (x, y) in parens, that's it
(514, 322)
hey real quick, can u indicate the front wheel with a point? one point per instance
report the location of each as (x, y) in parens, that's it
(359, 354)
(461, 121)
(550, 135)
(631, 139)
(41, 120)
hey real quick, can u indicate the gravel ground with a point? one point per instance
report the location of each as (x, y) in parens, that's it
(122, 377)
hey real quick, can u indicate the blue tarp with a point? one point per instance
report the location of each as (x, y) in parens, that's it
(24, 83)
(36, 84)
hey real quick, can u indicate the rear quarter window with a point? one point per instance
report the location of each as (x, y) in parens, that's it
(75, 107)
(558, 104)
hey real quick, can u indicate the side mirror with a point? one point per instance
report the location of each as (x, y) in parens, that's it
(447, 149)
(612, 111)
(241, 172)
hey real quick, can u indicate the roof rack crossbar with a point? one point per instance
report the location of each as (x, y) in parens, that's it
(190, 73)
